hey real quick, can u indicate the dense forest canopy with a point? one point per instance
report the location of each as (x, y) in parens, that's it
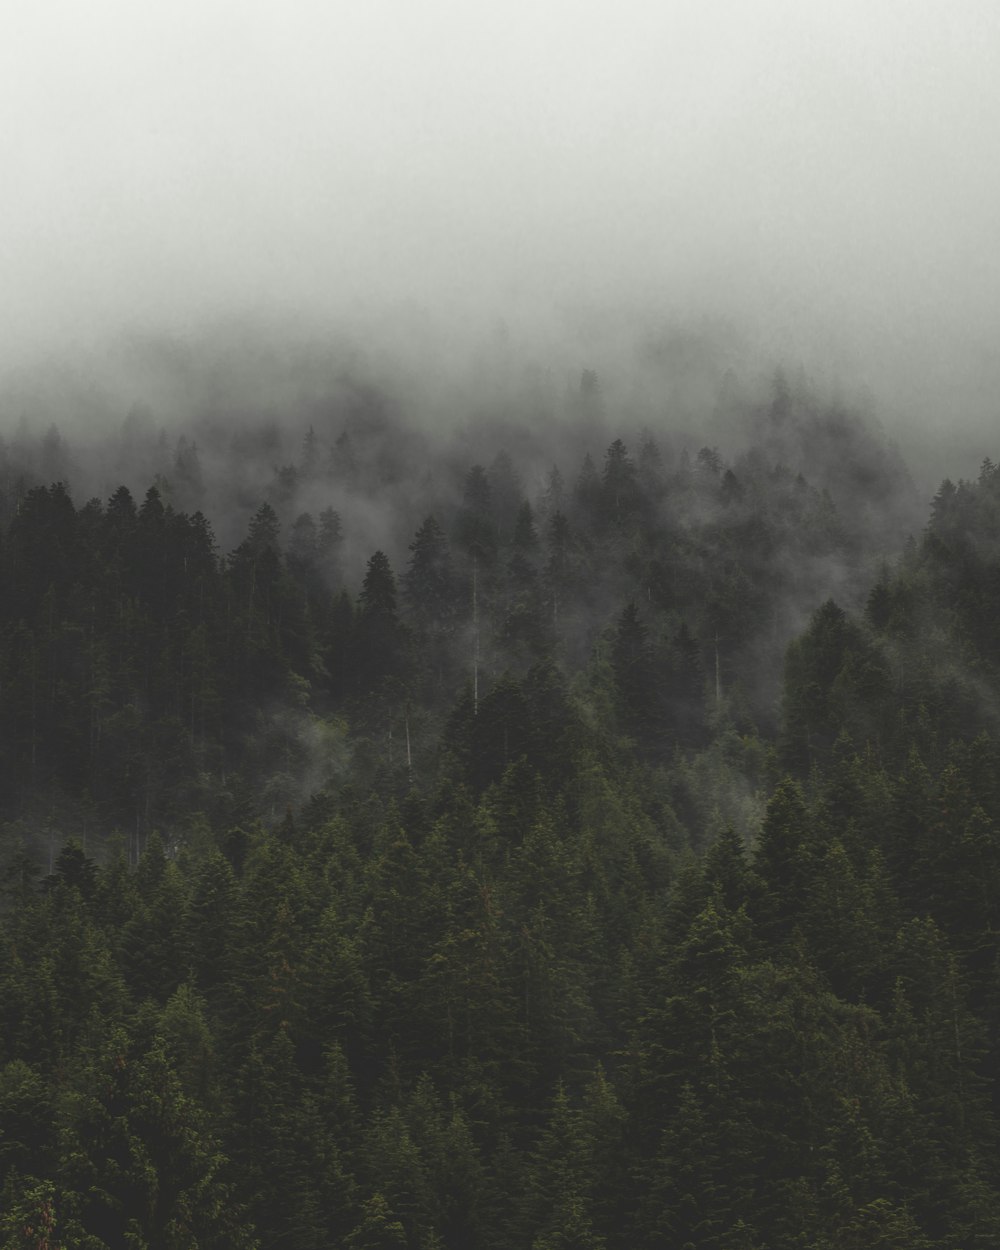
(552, 830)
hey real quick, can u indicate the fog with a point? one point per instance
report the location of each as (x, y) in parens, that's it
(436, 185)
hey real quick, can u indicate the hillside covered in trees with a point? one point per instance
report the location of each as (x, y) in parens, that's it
(544, 835)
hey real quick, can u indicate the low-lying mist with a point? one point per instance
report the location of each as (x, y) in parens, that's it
(383, 427)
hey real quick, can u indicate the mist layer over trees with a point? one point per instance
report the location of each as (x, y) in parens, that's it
(564, 817)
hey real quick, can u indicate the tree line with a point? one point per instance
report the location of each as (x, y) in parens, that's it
(548, 887)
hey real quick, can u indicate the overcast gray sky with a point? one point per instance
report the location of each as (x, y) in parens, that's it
(824, 173)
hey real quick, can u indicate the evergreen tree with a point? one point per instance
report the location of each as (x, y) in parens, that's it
(379, 639)
(637, 683)
(619, 485)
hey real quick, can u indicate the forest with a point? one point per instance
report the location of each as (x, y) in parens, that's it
(555, 833)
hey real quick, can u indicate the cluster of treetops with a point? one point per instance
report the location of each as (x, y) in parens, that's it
(583, 876)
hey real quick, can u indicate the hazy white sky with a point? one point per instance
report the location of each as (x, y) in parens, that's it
(826, 173)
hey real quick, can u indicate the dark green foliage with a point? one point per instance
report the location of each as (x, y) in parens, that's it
(379, 649)
(637, 682)
(429, 584)
(477, 911)
(477, 526)
(431, 592)
(836, 683)
(786, 862)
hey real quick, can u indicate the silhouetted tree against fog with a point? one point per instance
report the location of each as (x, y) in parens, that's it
(620, 488)
(588, 495)
(559, 580)
(553, 497)
(638, 682)
(309, 462)
(379, 637)
(328, 542)
(650, 470)
(505, 493)
(303, 546)
(429, 582)
(430, 590)
(524, 626)
(256, 565)
(270, 627)
(476, 527)
(187, 477)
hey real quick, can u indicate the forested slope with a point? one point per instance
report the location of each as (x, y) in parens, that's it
(610, 859)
